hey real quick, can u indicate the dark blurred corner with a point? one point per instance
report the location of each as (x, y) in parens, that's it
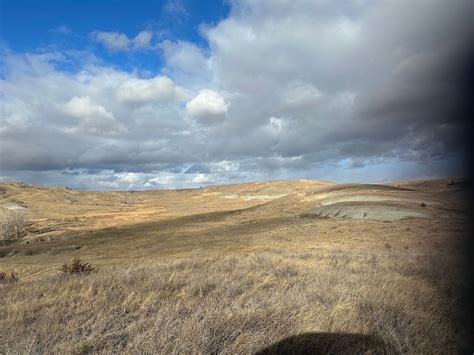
(329, 343)
(468, 137)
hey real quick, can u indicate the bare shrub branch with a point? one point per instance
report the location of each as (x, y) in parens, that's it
(13, 223)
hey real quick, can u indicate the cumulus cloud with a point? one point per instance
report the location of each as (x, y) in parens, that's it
(159, 89)
(55, 120)
(336, 90)
(92, 118)
(340, 85)
(207, 107)
(186, 62)
(117, 41)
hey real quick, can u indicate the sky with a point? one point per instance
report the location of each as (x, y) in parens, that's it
(109, 94)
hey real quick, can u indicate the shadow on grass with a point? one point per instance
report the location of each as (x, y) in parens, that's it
(329, 343)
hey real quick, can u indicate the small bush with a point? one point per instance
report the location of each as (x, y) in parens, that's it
(423, 204)
(77, 267)
(8, 277)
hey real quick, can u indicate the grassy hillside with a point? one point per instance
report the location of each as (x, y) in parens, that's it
(238, 269)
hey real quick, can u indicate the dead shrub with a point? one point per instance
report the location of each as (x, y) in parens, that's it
(13, 223)
(76, 267)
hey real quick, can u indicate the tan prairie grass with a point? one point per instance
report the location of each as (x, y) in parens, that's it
(237, 304)
(194, 271)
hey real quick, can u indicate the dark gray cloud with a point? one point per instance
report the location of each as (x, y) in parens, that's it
(287, 89)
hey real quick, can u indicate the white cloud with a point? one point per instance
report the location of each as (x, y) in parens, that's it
(112, 40)
(45, 110)
(186, 62)
(276, 125)
(159, 89)
(117, 41)
(142, 40)
(130, 178)
(207, 107)
(92, 118)
(202, 178)
(225, 166)
(175, 8)
(83, 107)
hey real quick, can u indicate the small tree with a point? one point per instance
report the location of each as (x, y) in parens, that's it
(13, 223)
(77, 267)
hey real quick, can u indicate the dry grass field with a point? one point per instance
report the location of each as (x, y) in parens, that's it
(270, 267)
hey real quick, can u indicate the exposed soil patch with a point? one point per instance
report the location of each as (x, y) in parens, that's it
(366, 211)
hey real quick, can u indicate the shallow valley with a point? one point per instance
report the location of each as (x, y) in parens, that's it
(240, 268)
